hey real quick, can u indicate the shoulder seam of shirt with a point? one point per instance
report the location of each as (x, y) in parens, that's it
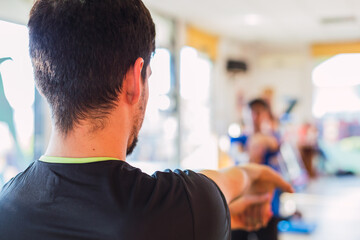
(191, 209)
(224, 201)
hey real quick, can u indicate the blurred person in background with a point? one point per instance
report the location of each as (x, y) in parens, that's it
(263, 143)
(308, 146)
(262, 146)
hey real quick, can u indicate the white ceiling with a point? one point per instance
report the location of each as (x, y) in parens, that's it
(279, 21)
(16, 11)
(273, 20)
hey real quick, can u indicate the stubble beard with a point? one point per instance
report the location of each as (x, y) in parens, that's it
(139, 118)
(132, 146)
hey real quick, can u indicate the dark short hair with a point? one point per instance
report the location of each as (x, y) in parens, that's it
(81, 51)
(259, 102)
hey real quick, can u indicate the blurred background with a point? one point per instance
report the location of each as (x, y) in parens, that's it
(212, 58)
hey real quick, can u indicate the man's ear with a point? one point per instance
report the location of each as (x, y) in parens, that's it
(133, 82)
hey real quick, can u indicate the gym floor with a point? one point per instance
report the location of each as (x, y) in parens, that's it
(333, 204)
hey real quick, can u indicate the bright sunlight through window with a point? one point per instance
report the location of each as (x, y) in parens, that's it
(337, 82)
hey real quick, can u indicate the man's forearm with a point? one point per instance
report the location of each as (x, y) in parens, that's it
(258, 179)
(232, 181)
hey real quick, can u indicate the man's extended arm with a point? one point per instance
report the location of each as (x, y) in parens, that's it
(234, 182)
(247, 190)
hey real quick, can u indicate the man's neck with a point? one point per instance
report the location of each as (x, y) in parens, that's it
(80, 143)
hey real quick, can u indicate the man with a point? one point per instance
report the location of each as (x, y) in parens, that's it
(262, 146)
(91, 63)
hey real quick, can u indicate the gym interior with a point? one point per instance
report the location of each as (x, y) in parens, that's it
(212, 59)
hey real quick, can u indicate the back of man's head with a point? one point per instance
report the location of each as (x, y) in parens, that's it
(81, 51)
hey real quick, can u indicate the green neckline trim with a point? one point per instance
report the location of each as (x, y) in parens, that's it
(49, 159)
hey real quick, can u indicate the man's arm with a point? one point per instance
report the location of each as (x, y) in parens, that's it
(232, 181)
(253, 178)
(247, 190)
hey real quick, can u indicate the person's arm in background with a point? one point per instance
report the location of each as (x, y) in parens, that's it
(259, 144)
(247, 186)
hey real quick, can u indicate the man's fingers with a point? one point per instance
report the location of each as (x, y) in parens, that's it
(267, 214)
(259, 216)
(248, 219)
(270, 175)
(256, 199)
(265, 175)
(240, 204)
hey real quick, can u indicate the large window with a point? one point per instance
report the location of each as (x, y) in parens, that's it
(337, 110)
(17, 93)
(157, 146)
(176, 131)
(198, 146)
(337, 82)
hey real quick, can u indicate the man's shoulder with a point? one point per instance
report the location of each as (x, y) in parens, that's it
(196, 185)
(134, 202)
(8, 185)
(205, 201)
(201, 193)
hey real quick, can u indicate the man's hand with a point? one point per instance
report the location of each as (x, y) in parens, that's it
(263, 179)
(250, 212)
(248, 190)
